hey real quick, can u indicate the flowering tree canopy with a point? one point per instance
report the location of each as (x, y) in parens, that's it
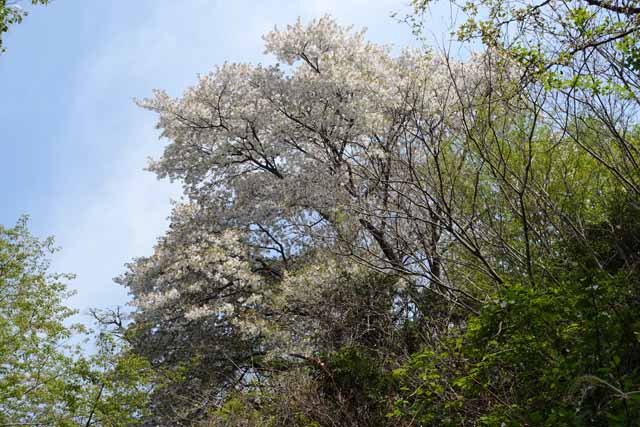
(331, 147)
(352, 196)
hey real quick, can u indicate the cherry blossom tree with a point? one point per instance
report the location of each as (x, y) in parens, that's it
(302, 179)
(332, 147)
(344, 195)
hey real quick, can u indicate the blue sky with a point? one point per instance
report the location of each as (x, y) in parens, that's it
(72, 143)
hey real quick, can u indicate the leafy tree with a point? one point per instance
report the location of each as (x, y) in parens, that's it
(583, 53)
(34, 347)
(11, 13)
(558, 354)
(44, 378)
(589, 44)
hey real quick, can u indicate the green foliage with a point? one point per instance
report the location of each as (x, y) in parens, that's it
(44, 379)
(349, 387)
(11, 13)
(548, 358)
(355, 378)
(630, 48)
(558, 354)
(592, 46)
(113, 385)
(34, 348)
